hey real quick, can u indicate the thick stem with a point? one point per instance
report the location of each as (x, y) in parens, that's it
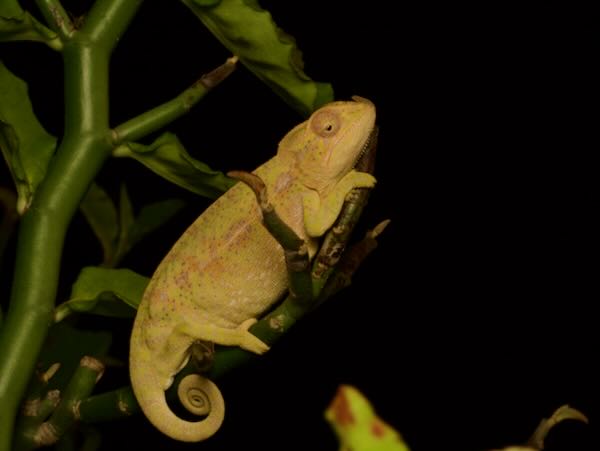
(85, 147)
(39, 248)
(108, 20)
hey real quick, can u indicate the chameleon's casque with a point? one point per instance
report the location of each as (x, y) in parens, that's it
(226, 269)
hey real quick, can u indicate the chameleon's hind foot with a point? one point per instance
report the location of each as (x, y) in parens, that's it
(248, 341)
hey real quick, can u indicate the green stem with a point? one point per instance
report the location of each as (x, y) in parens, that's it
(350, 261)
(84, 148)
(164, 114)
(67, 412)
(80, 386)
(108, 406)
(57, 18)
(35, 411)
(108, 20)
(334, 243)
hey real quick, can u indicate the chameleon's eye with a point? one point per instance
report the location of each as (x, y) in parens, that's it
(325, 123)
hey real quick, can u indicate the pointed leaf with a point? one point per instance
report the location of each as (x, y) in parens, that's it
(26, 146)
(101, 214)
(357, 426)
(126, 220)
(126, 217)
(10, 8)
(168, 158)
(249, 32)
(106, 292)
(18, 25)
(561, 414)
(152, 216)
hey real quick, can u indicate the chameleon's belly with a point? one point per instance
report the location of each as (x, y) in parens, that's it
(223, 290)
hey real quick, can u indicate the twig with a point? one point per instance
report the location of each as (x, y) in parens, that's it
(57, 18)
(164, 114)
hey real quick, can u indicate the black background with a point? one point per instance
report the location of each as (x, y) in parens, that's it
(475, 317)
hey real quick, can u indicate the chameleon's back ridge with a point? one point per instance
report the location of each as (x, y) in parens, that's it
(226, 270)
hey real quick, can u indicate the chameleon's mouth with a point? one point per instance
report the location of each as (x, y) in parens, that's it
(364, 160)
(361, 162)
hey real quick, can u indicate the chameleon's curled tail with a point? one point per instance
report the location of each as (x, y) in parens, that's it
(197, 394)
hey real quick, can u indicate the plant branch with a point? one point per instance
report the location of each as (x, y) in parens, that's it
(48, 432)
(57, 18)
(84, 148)
(80, 386)
(108, 20)
(295, 250)
(335, 241)
(157, 118)
(107, 406)
(350, 261)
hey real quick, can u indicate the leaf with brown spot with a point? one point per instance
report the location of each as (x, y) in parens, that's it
(357, 426)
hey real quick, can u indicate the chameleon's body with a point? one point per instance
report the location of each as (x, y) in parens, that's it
(226, 269)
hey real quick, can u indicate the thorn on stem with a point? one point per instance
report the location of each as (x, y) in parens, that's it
(51, 371)
(378, 229)
(217, 75)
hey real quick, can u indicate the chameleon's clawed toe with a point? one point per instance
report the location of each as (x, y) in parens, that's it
(247, 324)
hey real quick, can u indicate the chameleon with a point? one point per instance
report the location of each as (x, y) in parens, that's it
(226, 269)
(357, 426)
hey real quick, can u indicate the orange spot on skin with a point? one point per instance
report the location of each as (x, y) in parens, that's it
(341, 409)
(377, 428)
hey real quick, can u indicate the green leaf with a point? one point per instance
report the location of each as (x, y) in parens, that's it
(249, 32)
(26, 146)
(10, 8)
(168, 158)
(561, 414)
(18, 25)
(357, 426)
(66, 345)
(153, 216)
(119, 232)
(106, 292)
(126, 220)
(100, 212)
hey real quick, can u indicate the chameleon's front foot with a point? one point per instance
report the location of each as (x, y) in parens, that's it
(248, 341)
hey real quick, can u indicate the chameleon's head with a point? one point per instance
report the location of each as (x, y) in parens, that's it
(328, 145)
